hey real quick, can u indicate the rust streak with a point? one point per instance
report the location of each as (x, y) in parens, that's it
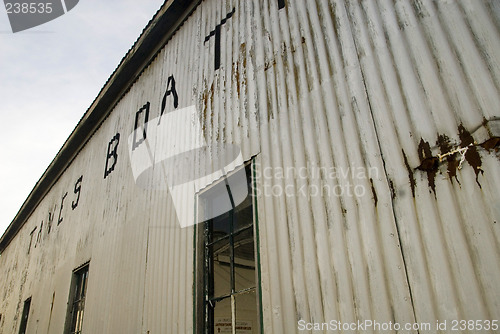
(472, 156)
(411, 177)
(428, 164)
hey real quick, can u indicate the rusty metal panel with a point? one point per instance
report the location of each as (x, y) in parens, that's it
(431, 74)
(358, 114)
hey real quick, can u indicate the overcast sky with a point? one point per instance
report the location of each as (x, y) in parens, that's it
(49, 76)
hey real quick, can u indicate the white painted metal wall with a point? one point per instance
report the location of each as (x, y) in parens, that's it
(377, 86)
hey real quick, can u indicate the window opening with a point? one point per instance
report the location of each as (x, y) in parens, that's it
(77, 297)
(230, 303)
(24, 318)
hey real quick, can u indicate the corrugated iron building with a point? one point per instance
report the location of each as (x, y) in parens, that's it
(369, 132)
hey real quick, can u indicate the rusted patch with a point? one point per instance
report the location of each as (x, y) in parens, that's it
(428, 163)
(375, 198)
(236, 77)
(411, 177)
(491, 144)
(454, 155)
(204, 109)
(471, 156)
(208, 106)
(244, 55)
(444, 145)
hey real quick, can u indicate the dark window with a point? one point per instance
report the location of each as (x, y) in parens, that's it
(26, 313)
(229, 296)
(77, 300)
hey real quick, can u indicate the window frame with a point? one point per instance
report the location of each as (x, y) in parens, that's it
(201, 287)
(25, 316)
(76, 285)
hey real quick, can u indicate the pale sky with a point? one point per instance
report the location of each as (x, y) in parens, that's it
(49, 76)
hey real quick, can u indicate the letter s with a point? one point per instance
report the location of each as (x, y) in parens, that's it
(78, 188)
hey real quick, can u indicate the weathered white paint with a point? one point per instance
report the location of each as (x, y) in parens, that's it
(354, 85)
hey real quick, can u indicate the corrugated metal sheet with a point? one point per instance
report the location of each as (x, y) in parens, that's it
(340, 95)
(431, 74)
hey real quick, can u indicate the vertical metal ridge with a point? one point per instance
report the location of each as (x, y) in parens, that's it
(304, 155)
(370, 71)
(436, 105)
(350, 90)
(278, 135)
(278, 230)
(321, 156)
(290, 139)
